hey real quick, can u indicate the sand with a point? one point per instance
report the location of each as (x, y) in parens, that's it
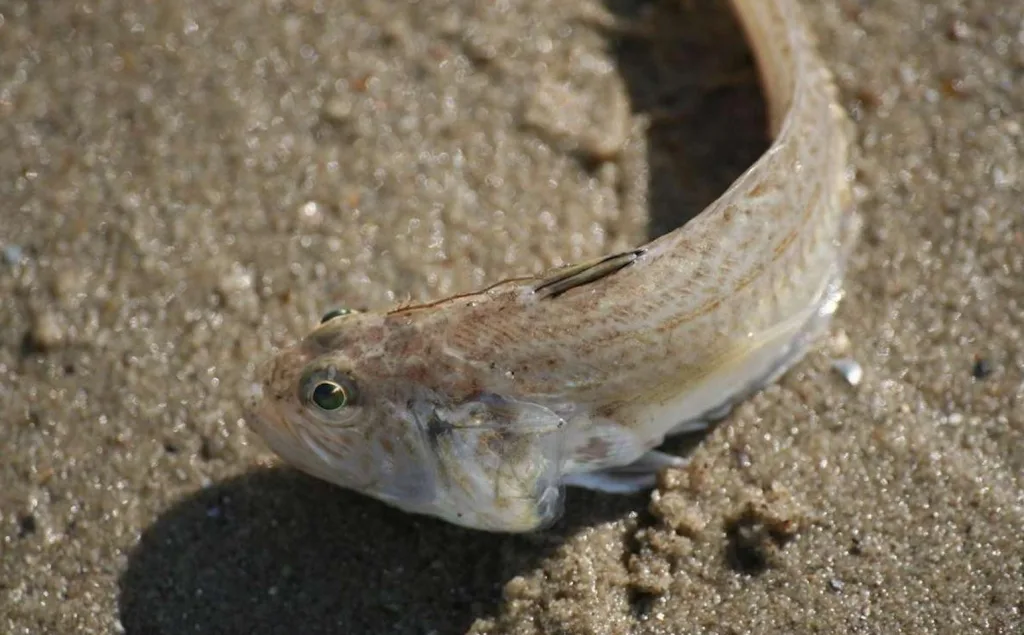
(185, 185)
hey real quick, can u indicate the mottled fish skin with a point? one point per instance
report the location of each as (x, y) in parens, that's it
(479, 408)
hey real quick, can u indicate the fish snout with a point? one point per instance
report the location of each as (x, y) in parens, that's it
(274, 392)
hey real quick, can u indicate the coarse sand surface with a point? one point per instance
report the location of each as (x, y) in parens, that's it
(186, 185)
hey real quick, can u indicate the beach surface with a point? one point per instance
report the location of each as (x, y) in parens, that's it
(186, 185)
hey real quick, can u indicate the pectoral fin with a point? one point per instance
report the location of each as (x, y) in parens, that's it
(499, 460)
(636, 477)
(566, 278)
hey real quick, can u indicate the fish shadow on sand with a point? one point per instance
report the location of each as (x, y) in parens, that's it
(276, 551)
(689, 71)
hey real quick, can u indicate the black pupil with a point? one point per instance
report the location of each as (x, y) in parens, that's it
(329, 396)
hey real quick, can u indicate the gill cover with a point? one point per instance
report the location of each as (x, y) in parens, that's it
(499, 462)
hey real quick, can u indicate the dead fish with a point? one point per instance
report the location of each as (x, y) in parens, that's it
(480, 408)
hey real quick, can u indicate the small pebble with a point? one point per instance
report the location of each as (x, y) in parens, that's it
(13, 255)
(338, 110)
(850, 370)
(46, 333)
(27, 525)
(840, 343)
(235, 288)
(311, 213)
(982, 368)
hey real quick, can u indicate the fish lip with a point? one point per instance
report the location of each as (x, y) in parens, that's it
(263, 416)
(264, 410)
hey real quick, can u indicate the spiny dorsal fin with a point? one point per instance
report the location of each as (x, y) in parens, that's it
(560, 281)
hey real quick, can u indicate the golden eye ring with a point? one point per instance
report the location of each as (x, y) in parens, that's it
(329, 390)
(329, 396)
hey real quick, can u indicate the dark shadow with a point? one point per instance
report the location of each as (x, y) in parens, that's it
(275, 551)
(688, 68)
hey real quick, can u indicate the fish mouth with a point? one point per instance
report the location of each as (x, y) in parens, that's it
(264, 417)
(280, 428)
(268, 395)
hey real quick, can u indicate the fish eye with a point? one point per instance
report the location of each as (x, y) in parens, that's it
(329, 395)
(335, 313)
(330, 390)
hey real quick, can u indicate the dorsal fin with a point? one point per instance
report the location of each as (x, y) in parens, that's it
(561, 280)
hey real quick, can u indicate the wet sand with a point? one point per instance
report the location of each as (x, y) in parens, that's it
(185, 185)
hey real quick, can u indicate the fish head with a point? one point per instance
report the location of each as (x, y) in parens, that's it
(337, 406)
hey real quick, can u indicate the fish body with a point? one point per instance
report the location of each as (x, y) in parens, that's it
(480, 408)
